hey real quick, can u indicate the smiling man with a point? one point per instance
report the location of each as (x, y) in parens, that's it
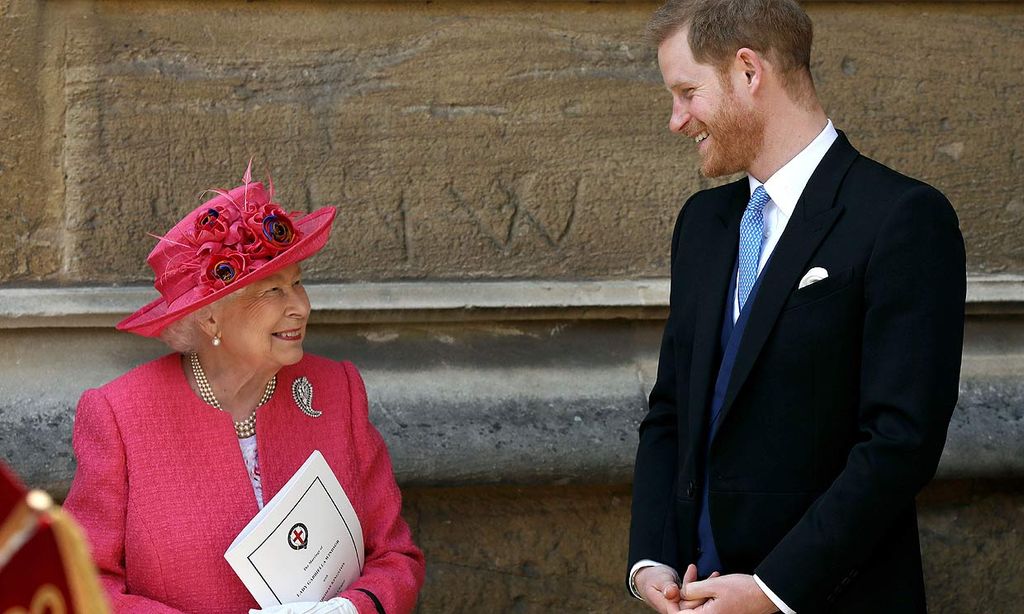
(811, 358)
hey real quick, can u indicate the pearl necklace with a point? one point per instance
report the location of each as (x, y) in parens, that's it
(243, 428)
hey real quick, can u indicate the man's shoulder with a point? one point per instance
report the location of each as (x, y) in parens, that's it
(872, 192)
(870, 177)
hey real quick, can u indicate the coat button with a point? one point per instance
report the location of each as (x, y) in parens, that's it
(691, 489)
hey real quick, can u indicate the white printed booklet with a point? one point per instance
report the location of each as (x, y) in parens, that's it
(306, 544)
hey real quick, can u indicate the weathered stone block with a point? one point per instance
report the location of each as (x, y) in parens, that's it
(460, 140)
(444, 133)
(523, 550)
(545, 549)
(971, 537)
(30, 203)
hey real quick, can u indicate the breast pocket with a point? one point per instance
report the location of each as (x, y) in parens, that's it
(819, 290)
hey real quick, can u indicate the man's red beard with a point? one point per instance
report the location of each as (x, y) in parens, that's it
(736, 138)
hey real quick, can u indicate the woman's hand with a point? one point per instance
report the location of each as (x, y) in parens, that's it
(337, 605)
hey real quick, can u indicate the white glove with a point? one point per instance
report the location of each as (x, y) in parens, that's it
(338, 605)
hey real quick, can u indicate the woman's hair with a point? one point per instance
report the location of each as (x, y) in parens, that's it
(185, 335)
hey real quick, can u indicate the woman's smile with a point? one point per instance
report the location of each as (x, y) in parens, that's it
(294, 334)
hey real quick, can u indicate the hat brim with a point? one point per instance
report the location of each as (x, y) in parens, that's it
(153, 318)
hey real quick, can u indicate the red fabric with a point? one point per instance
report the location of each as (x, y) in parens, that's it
(161, 488)
(35, 576)
(36, 564)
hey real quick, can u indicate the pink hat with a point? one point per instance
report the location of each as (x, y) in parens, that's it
(229, 242)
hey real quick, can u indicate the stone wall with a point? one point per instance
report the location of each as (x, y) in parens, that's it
(461, 140)
(468, 144)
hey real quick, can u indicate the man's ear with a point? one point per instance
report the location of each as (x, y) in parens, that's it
(752, 66)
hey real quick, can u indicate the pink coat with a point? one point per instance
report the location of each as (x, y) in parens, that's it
(161, 489)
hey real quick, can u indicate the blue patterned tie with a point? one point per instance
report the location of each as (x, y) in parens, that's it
(751, 242)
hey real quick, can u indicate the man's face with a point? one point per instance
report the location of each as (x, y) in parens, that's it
(726, 128)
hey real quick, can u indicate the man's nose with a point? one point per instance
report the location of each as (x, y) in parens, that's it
(680, 117)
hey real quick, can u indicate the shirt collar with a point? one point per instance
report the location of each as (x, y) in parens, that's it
(788, 183)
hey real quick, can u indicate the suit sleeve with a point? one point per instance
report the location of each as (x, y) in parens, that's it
(394, 569)
(98, 499)
(652, 532)
(913, 322)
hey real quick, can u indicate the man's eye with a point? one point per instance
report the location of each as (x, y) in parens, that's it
(298, 282)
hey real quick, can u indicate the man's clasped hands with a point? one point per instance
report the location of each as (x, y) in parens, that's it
(730, 594)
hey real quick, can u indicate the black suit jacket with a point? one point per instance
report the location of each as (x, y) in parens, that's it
(839, 400)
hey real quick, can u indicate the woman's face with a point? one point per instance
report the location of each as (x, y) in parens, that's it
(262, 326)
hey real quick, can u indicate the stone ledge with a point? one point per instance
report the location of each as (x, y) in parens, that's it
(432, 301)
(553, 397)
(440, 438)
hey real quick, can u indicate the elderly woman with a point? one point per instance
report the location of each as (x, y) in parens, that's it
(176, 456)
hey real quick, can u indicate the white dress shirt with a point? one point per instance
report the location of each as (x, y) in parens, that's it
(784, 189)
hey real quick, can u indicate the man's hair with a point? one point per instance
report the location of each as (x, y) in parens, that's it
(780, 30)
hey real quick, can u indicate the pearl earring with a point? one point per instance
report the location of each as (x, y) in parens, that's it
(216, 340)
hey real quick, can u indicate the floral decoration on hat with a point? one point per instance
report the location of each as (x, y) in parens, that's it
(237, 237)
(232, 235)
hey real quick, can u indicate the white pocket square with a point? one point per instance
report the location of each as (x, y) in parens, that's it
(815, 275)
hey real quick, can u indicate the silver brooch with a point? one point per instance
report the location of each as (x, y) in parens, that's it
(302, 391)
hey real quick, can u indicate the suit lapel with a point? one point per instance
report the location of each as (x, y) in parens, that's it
(813, 217)
(720, 245)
